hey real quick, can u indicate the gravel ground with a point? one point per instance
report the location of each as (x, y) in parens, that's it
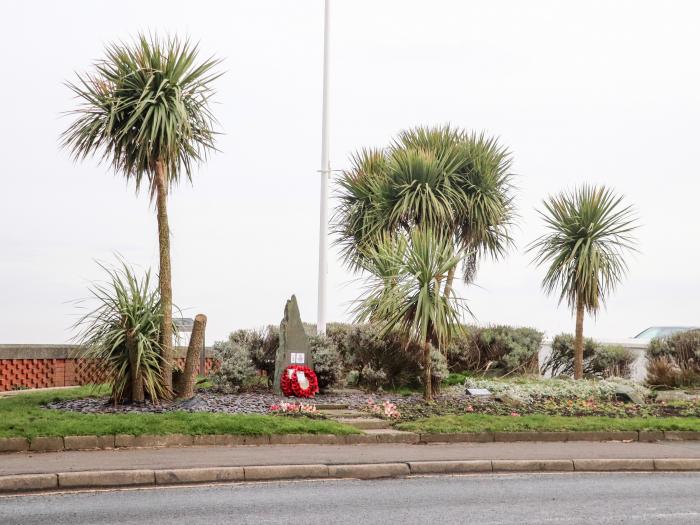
(245, 403)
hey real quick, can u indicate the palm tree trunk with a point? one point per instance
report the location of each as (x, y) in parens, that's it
(185, 389)
(164, 275)
(427, 372)
(136, 392)
(578, 345)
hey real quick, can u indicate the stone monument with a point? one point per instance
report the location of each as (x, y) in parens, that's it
(294, 345)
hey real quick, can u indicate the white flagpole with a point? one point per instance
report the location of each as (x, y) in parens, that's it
(325, 176)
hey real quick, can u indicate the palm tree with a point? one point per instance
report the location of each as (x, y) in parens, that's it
(406, 291)
(122, 335)
(588, 231)
(456, 183)
(145, 110)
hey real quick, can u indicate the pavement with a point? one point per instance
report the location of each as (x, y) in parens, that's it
(126, 468)
(222, 456)
(512, 499)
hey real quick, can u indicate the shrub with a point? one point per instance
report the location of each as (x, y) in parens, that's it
(236, 370)
(515, 349)
(462, 352)
(561, 361)
(526, 390)
(598, 360)
(509, 349)
(611, 361)
(261, 346)
(439, 371)
(327, 363)
(370, 378)
(674, 361)
(338, 333)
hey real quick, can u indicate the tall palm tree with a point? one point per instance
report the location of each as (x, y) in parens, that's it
(457, 183)
(145, 110)
(406, 291)
(588, 232)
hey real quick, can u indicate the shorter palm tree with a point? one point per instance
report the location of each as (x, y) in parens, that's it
(406, 291)
(121, 336)
(588, 231)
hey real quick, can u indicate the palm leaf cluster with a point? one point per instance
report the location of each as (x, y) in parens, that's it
(145, 103)
(406, 287)
(454, 182)
(122, 334)
(588, 231)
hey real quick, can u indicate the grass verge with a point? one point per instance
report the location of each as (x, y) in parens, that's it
(487, 423)
(23, 416)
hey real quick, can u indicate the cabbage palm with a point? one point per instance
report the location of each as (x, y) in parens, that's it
(145, 110)
(588, 232)
(122, 335)
(406, 291)
(456, 183)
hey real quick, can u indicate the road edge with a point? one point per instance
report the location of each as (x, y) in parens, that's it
(101, 479)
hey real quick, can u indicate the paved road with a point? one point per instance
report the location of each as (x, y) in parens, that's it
(26, 463)
(484, 500)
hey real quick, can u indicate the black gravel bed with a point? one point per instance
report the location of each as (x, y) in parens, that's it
(244, 403)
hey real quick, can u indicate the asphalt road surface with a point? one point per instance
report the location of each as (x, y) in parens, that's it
(488, 499)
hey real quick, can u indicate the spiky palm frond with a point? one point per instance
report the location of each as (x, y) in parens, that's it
(126, 307)
(589, 230)
(406, 284)
(454, 182)
(146, 102)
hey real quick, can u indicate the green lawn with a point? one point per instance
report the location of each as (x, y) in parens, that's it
(23, 416)
(486, 423)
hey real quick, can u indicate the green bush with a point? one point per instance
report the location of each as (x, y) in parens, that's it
(338, 333)
(599, 360)
(463, 353)
(612, 361)
(370, 378)
(327, 363)
(439, 371)
(360, 355)
(387, 361)
(236, 370)
(561, 361)
(261, 346)
(674, 361)
(505, 348)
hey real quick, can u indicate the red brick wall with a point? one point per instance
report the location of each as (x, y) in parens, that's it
(18, 374)
(31, 373)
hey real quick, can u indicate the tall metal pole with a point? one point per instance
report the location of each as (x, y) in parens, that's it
(325, 176)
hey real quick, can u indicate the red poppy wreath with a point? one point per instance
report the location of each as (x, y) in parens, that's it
(299, 381)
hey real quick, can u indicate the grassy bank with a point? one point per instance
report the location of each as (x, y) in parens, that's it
(23, 416)
(488, 423)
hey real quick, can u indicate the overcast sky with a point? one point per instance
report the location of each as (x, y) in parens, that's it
(580, 91)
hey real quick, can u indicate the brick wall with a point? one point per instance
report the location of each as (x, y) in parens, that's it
(43, 366)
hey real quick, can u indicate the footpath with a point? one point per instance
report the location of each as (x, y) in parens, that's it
(28, 471)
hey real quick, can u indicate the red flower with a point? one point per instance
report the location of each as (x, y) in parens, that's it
(289, 382)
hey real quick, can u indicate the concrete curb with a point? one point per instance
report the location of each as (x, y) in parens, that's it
(381, 436)
(100, 479)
